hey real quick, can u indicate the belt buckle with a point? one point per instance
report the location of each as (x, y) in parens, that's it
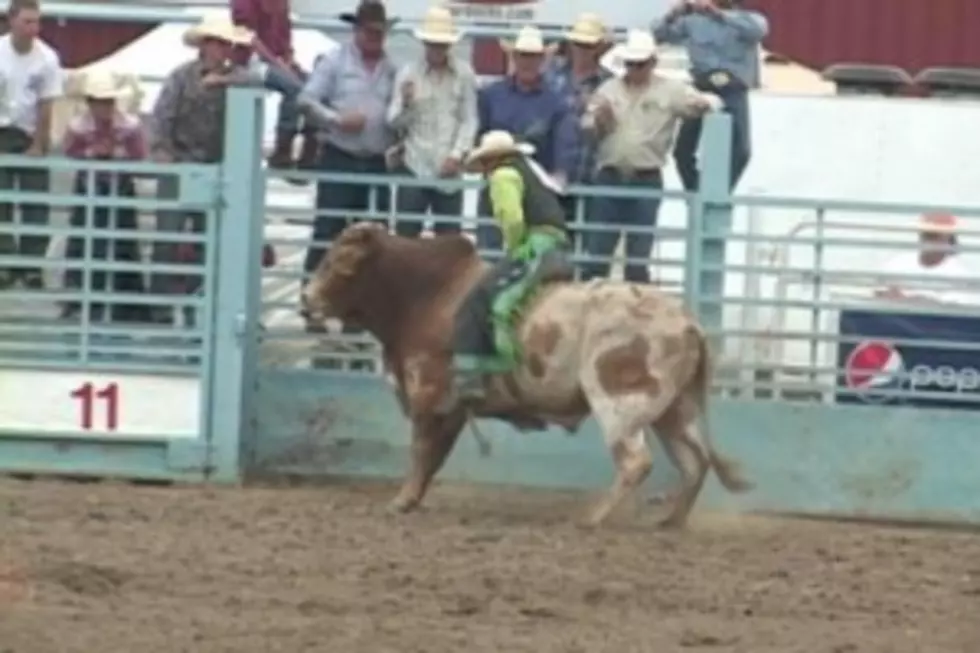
(720, 79)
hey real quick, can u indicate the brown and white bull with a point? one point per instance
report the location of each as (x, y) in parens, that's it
(627, 354)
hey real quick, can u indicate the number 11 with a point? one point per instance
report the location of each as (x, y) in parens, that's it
(86, 394)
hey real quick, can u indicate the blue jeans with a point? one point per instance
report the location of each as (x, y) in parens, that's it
(419, 200)
(612, 211)
(736, 101)
(289, 84)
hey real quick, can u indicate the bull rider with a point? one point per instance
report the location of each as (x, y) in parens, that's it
(525, 204)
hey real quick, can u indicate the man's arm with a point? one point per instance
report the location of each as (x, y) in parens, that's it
(52, 87)
(565, 141)
(751, 26)
(506, 192)
(689, 102)
(165, 117)
(316, 96)
(399, 114)
(483, 110)
(672, 28)
(468, 116)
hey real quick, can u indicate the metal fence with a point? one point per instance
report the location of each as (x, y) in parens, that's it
(785, 308)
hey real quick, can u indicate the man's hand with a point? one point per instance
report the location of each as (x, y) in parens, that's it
(710, 102)
(891, 292)
(679, 9)
(212, 80)
(407, 90)
(605, 117)
(34, 150)
(351, 122)
(560, 179)
(451, 167)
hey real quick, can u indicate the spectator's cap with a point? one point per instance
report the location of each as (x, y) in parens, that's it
(588, 29)
(369, 12)
(639, 46)
(437, 27)
(529, 41)
(496, 143)
(218, 27)
(101, 85)
(938, 223)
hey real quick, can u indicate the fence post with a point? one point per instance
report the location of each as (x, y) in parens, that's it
(712, 223)
(238, 296)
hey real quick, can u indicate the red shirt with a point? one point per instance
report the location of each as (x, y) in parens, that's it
(123, 138)
(270, 21)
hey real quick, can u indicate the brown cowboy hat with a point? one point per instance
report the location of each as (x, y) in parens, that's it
(369, 11)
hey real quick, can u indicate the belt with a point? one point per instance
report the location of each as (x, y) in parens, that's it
(718, 79)
(634, 173)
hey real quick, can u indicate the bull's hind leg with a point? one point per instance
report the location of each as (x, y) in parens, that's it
(680, 433)
(623, 420)
(432, 440)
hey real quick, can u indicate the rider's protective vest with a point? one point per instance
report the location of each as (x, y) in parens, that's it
(540, 203)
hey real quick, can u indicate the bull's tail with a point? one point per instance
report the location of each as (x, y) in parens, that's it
(729, 471)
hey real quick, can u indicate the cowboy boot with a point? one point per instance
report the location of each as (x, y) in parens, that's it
(282, 153)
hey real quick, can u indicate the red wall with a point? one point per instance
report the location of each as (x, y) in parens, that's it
(912, 34)
(80, 42)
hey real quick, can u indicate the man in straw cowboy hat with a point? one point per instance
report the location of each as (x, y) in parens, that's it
(105, 132)
(189, 127)
(33, 79)
(355, 83)
(936, 262)
(525, 205)
(434, 109)
(525, 105)
(633, 120)
(722, 40)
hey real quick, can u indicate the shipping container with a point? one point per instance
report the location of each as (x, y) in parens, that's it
(911, 34)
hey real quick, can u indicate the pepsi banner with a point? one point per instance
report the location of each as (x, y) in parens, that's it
(872, 363)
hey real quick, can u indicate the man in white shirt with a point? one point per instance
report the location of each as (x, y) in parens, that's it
(943, 276)
(30, 80)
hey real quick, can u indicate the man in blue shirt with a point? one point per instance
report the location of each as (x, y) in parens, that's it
(722, 41)
(525, 105)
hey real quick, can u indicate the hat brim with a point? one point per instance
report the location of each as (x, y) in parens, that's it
(479, 154)
(351, 18)
(637, 57)
(195, 35)
(111, 95)
(438, 39)
(510, 48)
(583, 39)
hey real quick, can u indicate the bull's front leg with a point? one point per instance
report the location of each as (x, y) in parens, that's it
(433, 438)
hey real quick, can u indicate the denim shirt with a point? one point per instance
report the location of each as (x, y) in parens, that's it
(576, 96)
(727, 42)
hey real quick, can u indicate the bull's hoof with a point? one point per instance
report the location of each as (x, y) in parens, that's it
(673, 523)
(402, 506)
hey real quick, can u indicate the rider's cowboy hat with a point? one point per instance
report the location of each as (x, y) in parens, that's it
(101, 85)
(938, 223)
(496, 143)
(639, 46)
(369, 12)
(529, 41)
(588, 29)
(437, 27)
(218, 27)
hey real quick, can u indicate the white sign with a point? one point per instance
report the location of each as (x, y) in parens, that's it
(100, 404)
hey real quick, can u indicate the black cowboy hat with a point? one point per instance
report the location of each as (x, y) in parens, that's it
(369, 11)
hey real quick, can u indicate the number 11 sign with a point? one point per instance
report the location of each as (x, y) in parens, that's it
(98, 404)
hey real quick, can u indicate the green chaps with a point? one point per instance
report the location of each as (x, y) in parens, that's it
(485, 340)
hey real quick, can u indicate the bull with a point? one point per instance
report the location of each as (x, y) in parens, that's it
(627, 354)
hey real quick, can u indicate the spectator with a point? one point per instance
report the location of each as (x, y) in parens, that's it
(103, 133)
(31, 80)
(722, 41)
(936, 261)
(272, 52)
(435, 108)
(633, 119)
(575, 76)
(356, 82)
(188, 127)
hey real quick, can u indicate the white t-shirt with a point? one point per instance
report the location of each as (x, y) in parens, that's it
(938, 282)
(26, 79)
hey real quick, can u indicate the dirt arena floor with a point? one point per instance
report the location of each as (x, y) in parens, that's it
(107, 568)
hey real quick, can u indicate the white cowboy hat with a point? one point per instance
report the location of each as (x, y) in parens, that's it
(437, 27)
(101, 85)
(639, 46)
(529, 41)
(587, 30)
(219, 27)
(497, 143)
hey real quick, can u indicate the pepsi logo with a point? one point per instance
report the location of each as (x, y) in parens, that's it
(874, 365)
